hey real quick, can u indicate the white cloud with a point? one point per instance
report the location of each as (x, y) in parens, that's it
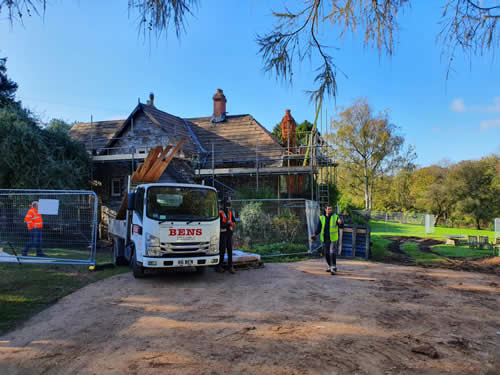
(458, 105)
(487, 124)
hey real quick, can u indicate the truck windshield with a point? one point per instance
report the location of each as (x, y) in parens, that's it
(181, 203)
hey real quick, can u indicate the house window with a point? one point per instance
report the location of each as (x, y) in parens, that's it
(116, 187)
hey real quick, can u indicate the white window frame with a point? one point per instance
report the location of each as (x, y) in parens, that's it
(113, 193)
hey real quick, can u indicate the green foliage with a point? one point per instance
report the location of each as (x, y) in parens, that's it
(264, 192)
(303, 130)
(37, 158)
(358, 220)
(368, 147)
(287, 225)
(277, 132)
(378, 251)
(255, 222)
(8, 87)
(346, 204)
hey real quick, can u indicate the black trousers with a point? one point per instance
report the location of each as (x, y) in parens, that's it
(330, 252)
(226, 243)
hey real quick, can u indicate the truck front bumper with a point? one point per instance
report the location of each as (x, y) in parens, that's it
(209, 260)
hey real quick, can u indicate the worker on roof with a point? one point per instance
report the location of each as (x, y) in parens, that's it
(328, 226)
(34, 223)
(227, 224)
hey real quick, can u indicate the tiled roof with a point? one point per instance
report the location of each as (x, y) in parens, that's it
(235, 141)
(172, 125)
(105, 133)
(99, 134)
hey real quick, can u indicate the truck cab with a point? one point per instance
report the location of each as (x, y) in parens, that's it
(168, 225)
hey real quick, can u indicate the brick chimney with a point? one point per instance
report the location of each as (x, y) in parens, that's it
(288, 126)
(151, 100)
(219, 106)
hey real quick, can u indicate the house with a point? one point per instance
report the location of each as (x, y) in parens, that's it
(227, 151)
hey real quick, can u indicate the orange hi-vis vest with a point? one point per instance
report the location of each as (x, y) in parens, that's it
(33, 219)
(232, 224)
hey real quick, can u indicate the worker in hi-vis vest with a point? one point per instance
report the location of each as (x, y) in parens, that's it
(227, 223)
(328, 226)
(34, 222)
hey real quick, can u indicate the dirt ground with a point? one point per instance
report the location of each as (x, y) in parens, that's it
(286, 318)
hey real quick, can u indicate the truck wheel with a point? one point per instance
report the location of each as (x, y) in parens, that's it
(137, 270)
(118, 258)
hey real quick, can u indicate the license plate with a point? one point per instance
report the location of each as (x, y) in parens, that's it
(187, 262)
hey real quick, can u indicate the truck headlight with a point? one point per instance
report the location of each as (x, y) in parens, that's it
(214, 245)
(153, 245)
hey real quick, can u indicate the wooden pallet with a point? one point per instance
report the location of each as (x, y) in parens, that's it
(151, 170)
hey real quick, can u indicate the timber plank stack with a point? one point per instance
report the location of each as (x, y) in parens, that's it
(151, 170)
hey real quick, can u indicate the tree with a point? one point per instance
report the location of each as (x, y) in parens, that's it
(57, 125)
(39, 158)
(467, 25)
(476, 190)
(302, 131)
(7, 87)
(367, 145)
(277, 132)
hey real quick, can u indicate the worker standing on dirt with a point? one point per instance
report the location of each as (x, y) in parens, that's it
(34, 222)
(328, 226)
(227, 223)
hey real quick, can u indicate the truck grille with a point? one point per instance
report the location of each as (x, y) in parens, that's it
(185, 247)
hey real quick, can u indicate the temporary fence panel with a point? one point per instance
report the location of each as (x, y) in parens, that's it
(271, 224)
(68, 235)
(429, 224)
(312, 216)
(497, 230)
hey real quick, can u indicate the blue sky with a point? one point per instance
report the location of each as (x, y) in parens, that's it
(87, 58)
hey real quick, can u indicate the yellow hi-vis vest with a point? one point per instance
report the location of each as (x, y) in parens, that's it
(334, 230)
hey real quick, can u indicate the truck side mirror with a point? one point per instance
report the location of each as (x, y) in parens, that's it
(131, 201)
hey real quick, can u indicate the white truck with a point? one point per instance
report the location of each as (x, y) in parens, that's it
(168, 225)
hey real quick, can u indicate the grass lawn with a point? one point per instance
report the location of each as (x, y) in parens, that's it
(380, 230)
(396, 229)
(451, 251)
(379, 248)
(26, 289)
(279, 248)
(421, 257)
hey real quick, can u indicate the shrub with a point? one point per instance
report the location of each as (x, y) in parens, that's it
(287, 224)
(255, 222)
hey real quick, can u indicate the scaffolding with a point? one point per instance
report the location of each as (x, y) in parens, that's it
(313, 157)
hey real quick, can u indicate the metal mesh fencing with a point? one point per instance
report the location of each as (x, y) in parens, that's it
(278, 226)
(398, 222)
(497, 230)
(60, 230)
